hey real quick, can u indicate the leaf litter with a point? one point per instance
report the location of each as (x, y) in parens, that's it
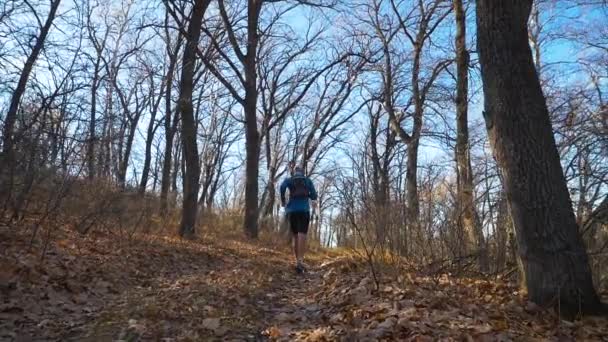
(158, 288)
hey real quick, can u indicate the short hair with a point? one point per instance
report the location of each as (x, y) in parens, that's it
(299, 169)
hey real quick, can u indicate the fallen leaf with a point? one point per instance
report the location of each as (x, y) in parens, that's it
(282, 317)
(211, 323)
(482, 328)
(273, 332)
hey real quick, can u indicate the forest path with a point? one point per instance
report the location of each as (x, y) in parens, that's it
(244, 292)
(294, 311)
(108, 287)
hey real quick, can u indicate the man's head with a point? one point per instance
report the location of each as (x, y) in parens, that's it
(292, 165)
(298, 170)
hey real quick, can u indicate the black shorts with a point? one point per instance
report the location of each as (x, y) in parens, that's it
(298, 221)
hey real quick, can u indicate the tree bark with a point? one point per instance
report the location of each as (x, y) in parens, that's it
(92, 122)
(124, 160)
(192, 172)
(468, 221)
(502, 232)
(171, 121)
(145, 173)
(411, 171)
(252, 136)
(11, 115)
(555, 262)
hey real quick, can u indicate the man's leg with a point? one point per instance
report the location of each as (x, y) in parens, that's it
(294, 238)
(293, 226)
(302, 232)
(301, 246)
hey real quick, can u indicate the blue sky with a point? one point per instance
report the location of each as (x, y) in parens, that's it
(560, 16)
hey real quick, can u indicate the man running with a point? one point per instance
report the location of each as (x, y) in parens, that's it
(301, 190)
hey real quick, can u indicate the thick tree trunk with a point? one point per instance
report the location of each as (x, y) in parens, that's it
(252, 169)
(555, 262)
(411, 172)
(192, 172)
(252, 136)
(379, 177)
(468, 221)
(178, 167)
(271, 197)
(411, 176)
(11, 115)
(268, 197)
(502, 233)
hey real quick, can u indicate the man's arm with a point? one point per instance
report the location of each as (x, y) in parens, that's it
(312, 191)
(282, 190)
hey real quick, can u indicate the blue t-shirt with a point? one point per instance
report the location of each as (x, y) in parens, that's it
(298, 204)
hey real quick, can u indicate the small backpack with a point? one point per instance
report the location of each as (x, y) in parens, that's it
(298, 188)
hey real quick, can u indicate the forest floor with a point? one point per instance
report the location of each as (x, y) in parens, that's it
(105, 287)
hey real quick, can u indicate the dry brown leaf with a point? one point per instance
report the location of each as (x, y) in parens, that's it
(319, 334)
(273, 332)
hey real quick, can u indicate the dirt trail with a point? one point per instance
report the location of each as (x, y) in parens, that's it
(294, 311)
(250, 294)
(155, 288)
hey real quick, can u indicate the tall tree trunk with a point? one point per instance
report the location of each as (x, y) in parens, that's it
(171, 121)
(212, 191)
(149, 139)
(271, 191)
(411, 176)
(155, 178)
(411, 172)
(120, 158)
(124, 164)
(92, 122)
(252, 168)
(468, 221)
(11, 115)
(268, 202)
(555, 261)
(252, 136)
(109, 154)
(105, 145)
(502, 232)
(176, 171)
(192, 172)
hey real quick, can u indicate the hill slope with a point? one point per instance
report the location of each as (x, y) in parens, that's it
(106, 287)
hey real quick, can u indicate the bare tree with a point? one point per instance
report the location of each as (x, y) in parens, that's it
(99, 45)
(220, 133)
(555, 261)
(430, 15)
(171, 118)
(192, 170)
(241, 61)
(152, 126)
(133, 105)
(11, 115)
(468, 221)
